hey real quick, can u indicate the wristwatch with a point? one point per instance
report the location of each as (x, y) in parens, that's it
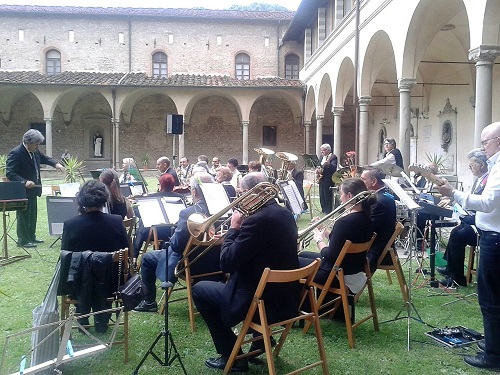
(318, 241)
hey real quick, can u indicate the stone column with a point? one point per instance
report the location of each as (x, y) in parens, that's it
(307, 133)
(48, 136)
(405, 85)
(364, 106)
(319, 134)
(245, 142)
(181, 139)
(337, 130)
(484, 56)
(116, 145)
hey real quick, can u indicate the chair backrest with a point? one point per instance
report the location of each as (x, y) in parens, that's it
(353, 248)
(199, 263)
(129, 224)
(397, 231)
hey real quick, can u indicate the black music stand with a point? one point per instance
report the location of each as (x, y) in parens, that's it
(12, 198)
(170, 347)
(311, 160)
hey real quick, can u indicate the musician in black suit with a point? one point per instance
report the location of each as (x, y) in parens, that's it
(94, 230)
(163, 166)
(298, 178)
(268, 238)
(392, 154)
(328, 168)
(383, 215)
(23, 164)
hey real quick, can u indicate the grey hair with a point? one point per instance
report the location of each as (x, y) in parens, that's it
(198, 180)
(252, 179)
(164, 159)
(391, 141)
(325, 146)
(376, 173)
(33, 136)
(478, 155)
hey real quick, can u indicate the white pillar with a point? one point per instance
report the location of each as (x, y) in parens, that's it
(116, 148)
(48, 136)
(245, 142)
(319, 133)
(307, 131)
(484, 56)
(181, 139)
(337, 130)
(364, 106)
(405, 85)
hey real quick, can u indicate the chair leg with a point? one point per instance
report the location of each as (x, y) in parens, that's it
(470, 264)
(389, 278)
(347, 318)
(371, 296)
(125, 335)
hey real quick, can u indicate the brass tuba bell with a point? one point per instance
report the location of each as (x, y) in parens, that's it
(286, 159)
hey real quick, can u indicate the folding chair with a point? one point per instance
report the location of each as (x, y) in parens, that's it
(206, 267)
(67, 300)
(343, 292)
(129, 224)
(395, 263)
(267, 329)
(473, 259)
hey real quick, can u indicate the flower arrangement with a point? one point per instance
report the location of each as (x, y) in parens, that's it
(350, 157)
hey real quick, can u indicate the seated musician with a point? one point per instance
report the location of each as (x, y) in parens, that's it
(184, 171)
(355, 226)
(423, 217)
(163, 166)
(392, 154)
(130, 171)
(268, 238)
(154, 263)
(464, 234)
(224, 176)
(166, 185)
(383, 215)
(118, 204)
(254, 166)
(98, 232)
(232, 164)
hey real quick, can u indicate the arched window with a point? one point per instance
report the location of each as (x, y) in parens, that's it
(292, 66)
(159, 65)
(53, 62)
(242, 66)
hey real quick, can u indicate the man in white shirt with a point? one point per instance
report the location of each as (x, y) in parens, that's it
(487, 207)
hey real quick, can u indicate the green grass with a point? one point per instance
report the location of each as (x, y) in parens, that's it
(385, 352)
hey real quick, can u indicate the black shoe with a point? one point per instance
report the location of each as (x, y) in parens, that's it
(448, 283)
(241, 365)
(259, 345)
(38, 240)
(481, 346)
(443, 271)
(480, 361)
(145, 306)
(26, 244)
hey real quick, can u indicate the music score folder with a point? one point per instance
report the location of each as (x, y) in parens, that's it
(160, 210)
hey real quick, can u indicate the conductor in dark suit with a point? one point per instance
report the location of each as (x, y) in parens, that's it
(383, 215)
(328, 168)
(268, 238)
(23, 164)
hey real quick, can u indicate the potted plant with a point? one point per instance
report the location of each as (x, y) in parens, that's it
(3, 165)
(74, 170)
(439, 160)
(145, 160)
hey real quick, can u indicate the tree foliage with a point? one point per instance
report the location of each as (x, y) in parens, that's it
(260, 7)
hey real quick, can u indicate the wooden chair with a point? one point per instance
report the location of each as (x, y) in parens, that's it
(305, 275)
(195, 271)
(343, 292)
(473, 259)
(395, 264)
(67, 301)
(129, 224)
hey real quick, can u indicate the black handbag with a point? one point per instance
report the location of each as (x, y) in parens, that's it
(132, 292)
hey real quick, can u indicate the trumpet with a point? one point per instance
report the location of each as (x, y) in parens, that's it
(286, 159)
(199, 225)
(305, 235)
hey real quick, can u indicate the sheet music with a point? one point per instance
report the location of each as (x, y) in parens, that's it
(292, 194)
(136, 190)
(151, 212)
(215, 197)
(173, 208)
(69, 189)
(403, 196)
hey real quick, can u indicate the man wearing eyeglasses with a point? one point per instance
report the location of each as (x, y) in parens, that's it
(487, 207)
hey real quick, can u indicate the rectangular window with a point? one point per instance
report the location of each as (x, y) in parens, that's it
(266, 41)
(71, 36)
(121, 38)
(21, 35)
(219, 40)
(269, 135)
(170, 38)
(53, 66)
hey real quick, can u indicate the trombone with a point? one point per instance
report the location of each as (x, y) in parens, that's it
(305, 235)
(198, 225)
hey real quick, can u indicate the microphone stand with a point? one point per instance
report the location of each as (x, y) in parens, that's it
(170, 347)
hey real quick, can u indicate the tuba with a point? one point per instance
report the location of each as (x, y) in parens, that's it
(248, 203)
(305, 235)
(286, 159)
(264, 155)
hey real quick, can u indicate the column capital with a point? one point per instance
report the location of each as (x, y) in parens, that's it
(48, 119)
(307, 123)
(245, 123)
(365, 100)
(320, 117)
(406, 84)
(337, 110)
(484, 52)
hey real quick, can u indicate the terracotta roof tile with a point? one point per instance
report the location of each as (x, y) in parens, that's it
(140, 79)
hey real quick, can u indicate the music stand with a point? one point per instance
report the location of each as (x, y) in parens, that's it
(12, 198)
(311, 160)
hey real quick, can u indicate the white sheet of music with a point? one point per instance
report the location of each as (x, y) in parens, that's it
(403, 196)
(293, 196)
(173, 208)
(151, 213)
(215, 197)
(69, 189)
(136, 190)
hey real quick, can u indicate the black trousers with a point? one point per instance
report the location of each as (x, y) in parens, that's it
(26, 221)
(325, 196)
(461, 236)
